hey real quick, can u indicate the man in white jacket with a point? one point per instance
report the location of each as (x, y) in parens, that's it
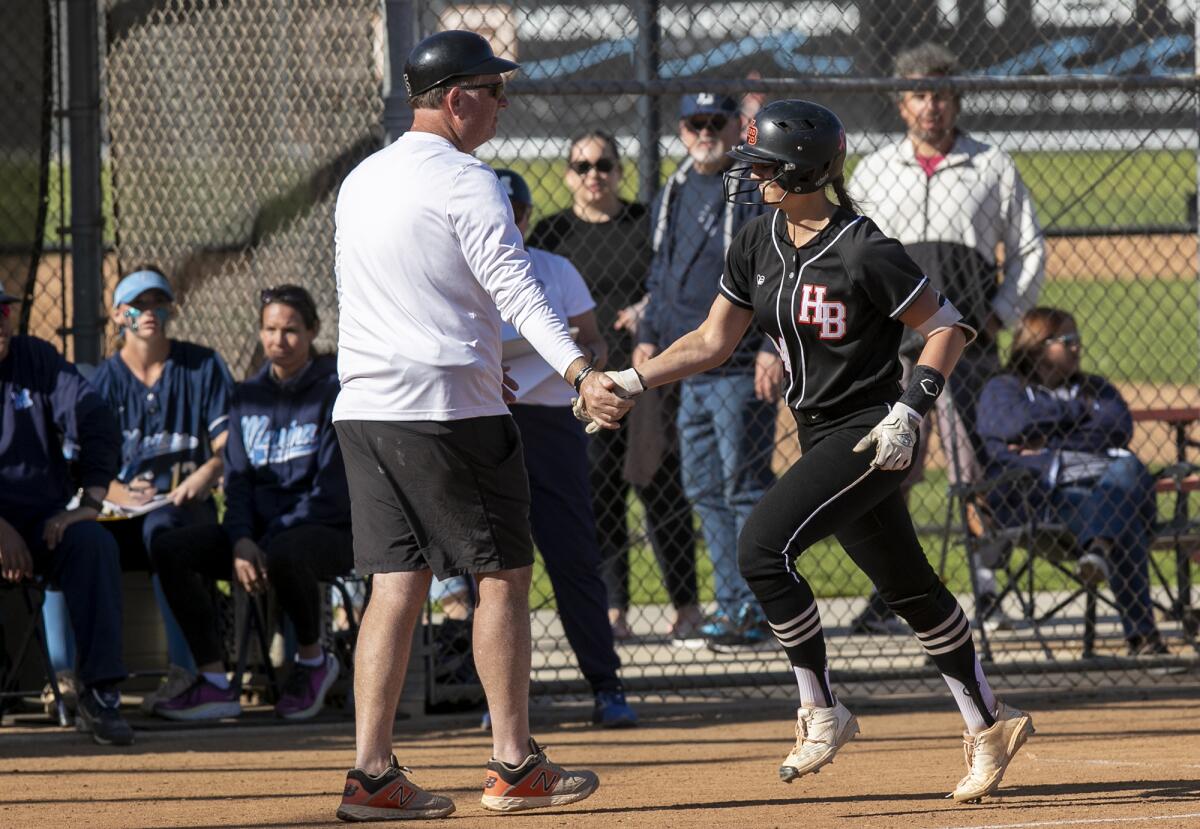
(953, 201)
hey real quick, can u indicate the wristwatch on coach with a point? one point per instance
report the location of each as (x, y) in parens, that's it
(88, 500)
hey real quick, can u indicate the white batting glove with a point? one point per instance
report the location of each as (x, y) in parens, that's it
(629, 382)
(894, 438)
(581, 414)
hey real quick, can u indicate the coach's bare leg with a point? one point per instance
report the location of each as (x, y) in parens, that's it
(381, 661)
(501, 645)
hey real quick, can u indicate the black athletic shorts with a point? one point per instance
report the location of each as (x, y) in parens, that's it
(450, 496)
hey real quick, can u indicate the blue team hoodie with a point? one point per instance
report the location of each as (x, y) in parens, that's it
(283, 467)
(49, 414)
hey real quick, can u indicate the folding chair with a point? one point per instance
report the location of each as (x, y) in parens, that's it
(1042, 540)
(254, 615)
(33, 594)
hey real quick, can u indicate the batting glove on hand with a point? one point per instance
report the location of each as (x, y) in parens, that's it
(894, 438)
(579, 409)
(629, 382)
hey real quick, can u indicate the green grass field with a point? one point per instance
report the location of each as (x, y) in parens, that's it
(1071, 189)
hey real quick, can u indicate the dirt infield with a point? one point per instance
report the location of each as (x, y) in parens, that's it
(1105, 763)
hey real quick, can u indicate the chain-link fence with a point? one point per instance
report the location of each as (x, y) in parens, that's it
(32, 162)
(1073, 186)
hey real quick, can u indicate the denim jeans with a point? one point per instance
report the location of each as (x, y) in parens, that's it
(1118, 507)
(726, 439)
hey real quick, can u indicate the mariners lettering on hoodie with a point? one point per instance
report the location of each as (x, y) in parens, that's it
(266, 446)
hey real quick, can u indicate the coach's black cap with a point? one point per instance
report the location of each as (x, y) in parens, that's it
(448, 55)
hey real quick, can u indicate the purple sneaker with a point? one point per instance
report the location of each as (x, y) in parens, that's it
(201, 701)
(304, 693)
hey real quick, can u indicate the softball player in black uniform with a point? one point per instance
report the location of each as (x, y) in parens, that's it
(835, 295)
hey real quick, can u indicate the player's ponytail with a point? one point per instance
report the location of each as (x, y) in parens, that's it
(843, 198)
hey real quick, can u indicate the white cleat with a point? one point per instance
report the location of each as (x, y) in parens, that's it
(988, 753)
(820, 732)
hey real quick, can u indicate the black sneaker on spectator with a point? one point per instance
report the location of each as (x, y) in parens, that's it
(994, 617)
(99, 714)
(1147, 644)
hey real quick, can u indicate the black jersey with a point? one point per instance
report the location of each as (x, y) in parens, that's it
(831, 306)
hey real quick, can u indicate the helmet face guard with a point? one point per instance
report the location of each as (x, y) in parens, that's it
(805, 142)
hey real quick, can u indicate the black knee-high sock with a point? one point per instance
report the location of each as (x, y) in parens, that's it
(944, 632)
(796, 623)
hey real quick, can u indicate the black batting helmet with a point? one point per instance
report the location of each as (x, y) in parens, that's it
(805, 141)
(447, 55)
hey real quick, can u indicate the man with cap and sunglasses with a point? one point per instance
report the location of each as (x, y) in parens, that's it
(429, 262)
(171, 399)
(726, 418)
(50, 416)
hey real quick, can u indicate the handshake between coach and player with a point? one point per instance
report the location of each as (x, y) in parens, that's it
(626, 385)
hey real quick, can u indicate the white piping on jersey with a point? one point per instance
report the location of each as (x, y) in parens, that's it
(908, 300)
(792, 303)
(786, 563)
(212, 426)
(660, 227)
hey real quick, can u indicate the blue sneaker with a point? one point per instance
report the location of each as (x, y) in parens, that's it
(719, 624)
(612, 711)
(750, 631)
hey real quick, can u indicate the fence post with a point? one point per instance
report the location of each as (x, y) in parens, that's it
(401, 38)
(87, 222)
(646, 65)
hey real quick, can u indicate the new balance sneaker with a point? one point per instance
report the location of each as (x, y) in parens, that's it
(304, 692)
(820, 732)
(535, 783)
(173, 684)
(201, 700)
(390, 795)
(612, 711)
(99, 714)
(989, 752)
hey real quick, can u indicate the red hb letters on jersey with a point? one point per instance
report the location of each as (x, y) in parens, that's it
(814, 310)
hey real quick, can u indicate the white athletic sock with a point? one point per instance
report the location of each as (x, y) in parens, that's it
(218, 679)
(812, 692)
(315, 662)
(971, 714)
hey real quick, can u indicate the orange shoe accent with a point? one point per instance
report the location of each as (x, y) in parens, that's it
(389, 796)
(534, 784)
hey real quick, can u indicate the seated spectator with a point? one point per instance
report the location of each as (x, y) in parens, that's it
(287, 517)
(47, 414)
(555, 448)
(1072, 431)
(172, 400)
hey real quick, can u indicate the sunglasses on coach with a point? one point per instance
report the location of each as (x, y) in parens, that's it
(713, 123)
(582, 168)
(495, 89)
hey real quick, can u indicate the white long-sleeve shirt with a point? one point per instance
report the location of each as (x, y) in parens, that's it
(428, 263)
(974, 199)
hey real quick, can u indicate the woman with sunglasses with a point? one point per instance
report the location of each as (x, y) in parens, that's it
(1072, 431)
(608, 240)
(172, 401)
(287, 516)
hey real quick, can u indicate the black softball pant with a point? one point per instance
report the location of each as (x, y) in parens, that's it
(188, 559)
(833, 490)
